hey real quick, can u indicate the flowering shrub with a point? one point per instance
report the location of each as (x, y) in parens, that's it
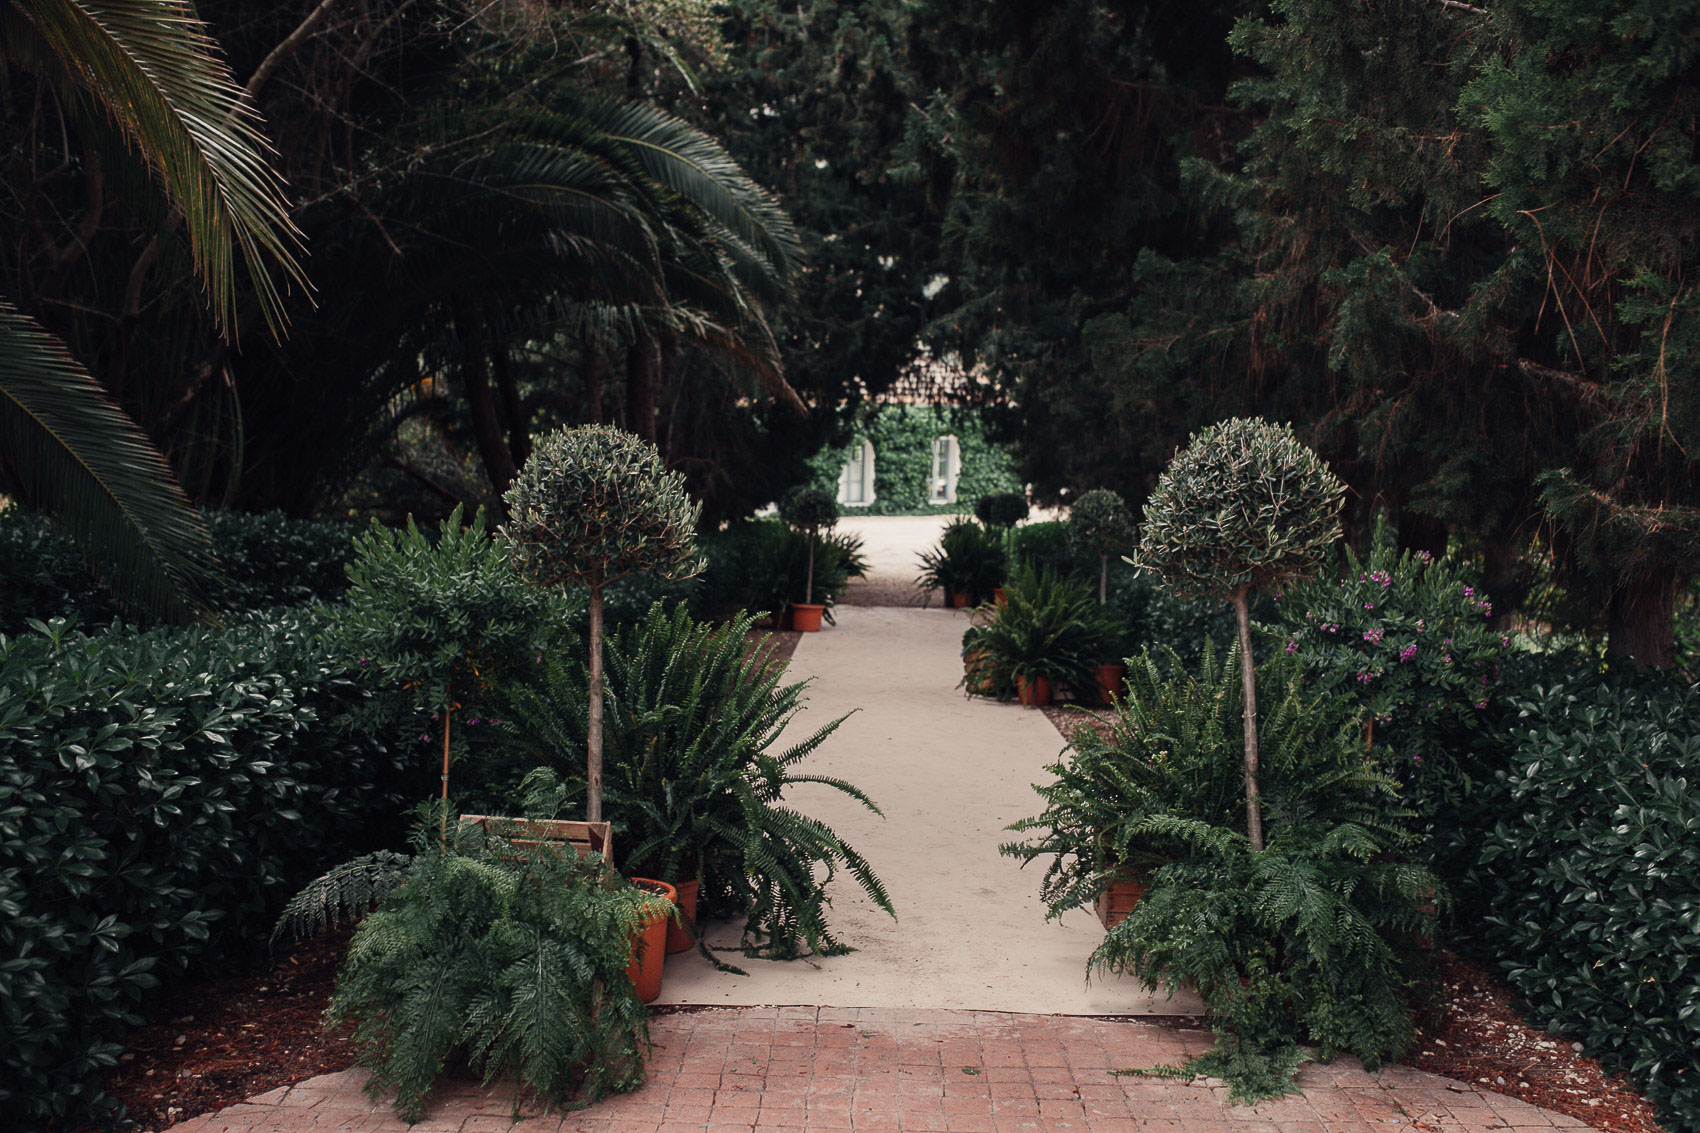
(1404, 633)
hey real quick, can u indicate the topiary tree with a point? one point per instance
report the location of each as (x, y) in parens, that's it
(811, 511)
(589, 507)
(1243, 507)
(1001, 509)
(1100, 524)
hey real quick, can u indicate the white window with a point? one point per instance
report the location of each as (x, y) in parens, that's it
(856, 479)
(947, 462)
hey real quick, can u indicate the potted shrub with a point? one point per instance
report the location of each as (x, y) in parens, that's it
(810, 511)
(589, 507)
(512, 955)
(697, 776)
(1100, 525)
(1047, 633)
(967, 565)
(1244, 507)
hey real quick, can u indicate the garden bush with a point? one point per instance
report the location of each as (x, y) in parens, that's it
(1047, 626)
(969, 559)
(161, 793)
(267, 560)
(760, 565)
(1589, 875)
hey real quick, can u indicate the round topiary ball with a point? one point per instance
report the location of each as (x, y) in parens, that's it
(1243, 507)
(596, 504)
(1099, 524)
(808, 509)
(1001, 509)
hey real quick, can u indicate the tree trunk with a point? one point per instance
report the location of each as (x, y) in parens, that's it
(640, 389)
(1103, 578)
(519, 421)
(444, 833)
(593, 760)
(1248, 679)
(1641, 620)
(809, 586)
(486, 425)
(592, 382)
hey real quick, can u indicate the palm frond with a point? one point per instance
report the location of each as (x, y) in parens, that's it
(72, 454)
(151, 67)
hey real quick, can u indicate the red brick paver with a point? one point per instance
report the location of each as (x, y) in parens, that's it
(856, 1070)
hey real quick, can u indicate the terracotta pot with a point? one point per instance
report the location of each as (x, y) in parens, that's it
(997, 595)
(806, 618)
(1035, 692)
(1110, 682)
(683, 937)
(959, 601)
(649, 945)
(1115, 903)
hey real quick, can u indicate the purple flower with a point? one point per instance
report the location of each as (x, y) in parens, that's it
(423, 736)
(1469, 591)
(1417, 759)
(1407, 653)
(1425, 556)
(1481, 704)
(364, 662)
(1292, 646)
(1373, 636)
(1365, 678)
(1504, 641)
(472, 721)
(1447, 657)
(1369, 605)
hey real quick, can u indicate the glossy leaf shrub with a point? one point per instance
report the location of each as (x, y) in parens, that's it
(969, 559)
(1046, 626)
(1591, 871)
(160, 795)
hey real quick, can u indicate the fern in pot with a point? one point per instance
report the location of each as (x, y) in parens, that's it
(697, 776)
(967, 565)
(511, 957)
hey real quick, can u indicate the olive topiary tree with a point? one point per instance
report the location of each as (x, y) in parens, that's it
(1243, 507)
(1001, 509)
(811, 511)
(1100, 524)
(590, 507)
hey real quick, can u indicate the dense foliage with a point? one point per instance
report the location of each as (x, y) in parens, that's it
(1001, 509)
(160, 795)
(1588, 851)
(697, 775)
(809, 511)
(263, 560)
(515, 956)
(1100, 524)
(902, 437)
(968, 560)
(1046, 626)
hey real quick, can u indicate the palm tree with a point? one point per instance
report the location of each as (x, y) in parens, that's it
(137, 81)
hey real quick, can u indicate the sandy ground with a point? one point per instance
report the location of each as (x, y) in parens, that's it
(950, 774)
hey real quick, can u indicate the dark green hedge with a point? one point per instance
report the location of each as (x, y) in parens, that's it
(1590, 873)
(902, 437)
(267, 560)
(161, 794)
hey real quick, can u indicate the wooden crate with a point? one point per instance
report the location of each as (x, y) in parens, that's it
(585, 837)
(1115, 903)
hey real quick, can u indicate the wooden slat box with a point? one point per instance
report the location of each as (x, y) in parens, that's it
(585, 837)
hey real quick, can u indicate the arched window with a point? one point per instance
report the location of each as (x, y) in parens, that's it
(947, 463)
(856, 479)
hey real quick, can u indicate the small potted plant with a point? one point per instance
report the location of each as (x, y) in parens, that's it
(810, 511)
(1000, 512)
(1047, 634)
(1099, 524)
(967, 565)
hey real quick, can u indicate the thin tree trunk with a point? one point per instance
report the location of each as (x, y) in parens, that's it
(593, 762)
(444, 833)
(1248, 679)
(640, 389)
(1103, 577)
(1641, 620)
(809, 586)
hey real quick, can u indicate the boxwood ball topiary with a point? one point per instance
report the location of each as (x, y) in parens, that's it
(1100, 524)
(593, 505)
(1001, 509)
(1243, 507)
(808, 509)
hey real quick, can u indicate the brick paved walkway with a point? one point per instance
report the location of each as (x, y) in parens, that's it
(868, 1069)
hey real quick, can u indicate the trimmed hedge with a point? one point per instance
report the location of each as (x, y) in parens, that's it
(267, 560)
(161, 795)
(1591, 873)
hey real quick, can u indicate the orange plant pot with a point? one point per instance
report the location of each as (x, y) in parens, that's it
(959, 601)
(806, 618)
(649, 944)
(1110, 682)
(683, 936)
(1115, 903)
(997, 596)
(1034, 692)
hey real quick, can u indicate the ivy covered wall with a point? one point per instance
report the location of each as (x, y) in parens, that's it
(902, 436)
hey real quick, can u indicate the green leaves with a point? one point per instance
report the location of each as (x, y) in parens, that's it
(1100, 524)
(1047, 626)
(1243, 507)
(593, 505)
